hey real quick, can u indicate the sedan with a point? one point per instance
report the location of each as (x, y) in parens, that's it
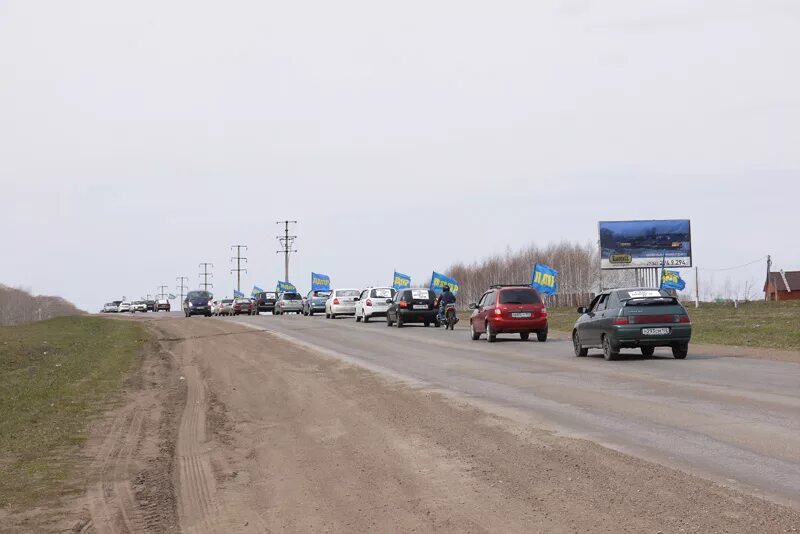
(138, 306)
(640, 318)
(373, 303)
(124, 307)
(110, 307)
(225, 307)
(242, 306)
(341, 302)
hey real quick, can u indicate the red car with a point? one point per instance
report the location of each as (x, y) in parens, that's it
(162, 305)
(509, 310)
(242, 305)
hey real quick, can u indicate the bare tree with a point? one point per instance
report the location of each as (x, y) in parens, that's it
(19, 306)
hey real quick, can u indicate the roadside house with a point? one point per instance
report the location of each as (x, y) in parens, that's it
(783, 285)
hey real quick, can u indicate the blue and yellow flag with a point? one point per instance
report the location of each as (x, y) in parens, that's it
(320, 282)
(544, 279)
(237, 294)
(401, 281)
(256, 290)
(672, 280)
(438, 281)
(285, 287)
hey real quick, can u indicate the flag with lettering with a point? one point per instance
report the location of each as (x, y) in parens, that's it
(544, 279)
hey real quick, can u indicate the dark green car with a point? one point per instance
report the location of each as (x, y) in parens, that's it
(640, 318)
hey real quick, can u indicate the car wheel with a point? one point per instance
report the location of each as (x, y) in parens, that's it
(680, 351)
(327, 315)
(366, 318)
(399, 321)
(310, 313)
(648, 351)
(358, 318)
(437, 323)
(610, 352)
(389, 322)
(472, 333)
(427, 324)
(524, 336)
(333, 315)
(580, 351)
(541, 335)
(491, 336)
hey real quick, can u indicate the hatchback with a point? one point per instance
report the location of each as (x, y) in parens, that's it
(242, 306)
(265, 301)
(315, 302)
(288, 302)
(373, 302)
(642, 318)
(508, 310)
(412, 306)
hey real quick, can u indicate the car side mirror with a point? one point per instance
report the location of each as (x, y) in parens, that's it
(473, 306)
(583, 310)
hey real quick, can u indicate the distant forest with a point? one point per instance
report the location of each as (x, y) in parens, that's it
(19, 306)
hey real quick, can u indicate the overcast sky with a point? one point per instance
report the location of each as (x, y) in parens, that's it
(138, 139)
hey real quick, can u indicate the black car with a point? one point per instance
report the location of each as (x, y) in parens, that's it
(151, 305)
(265, 301)
(197, 303)
(642, 318)
(412, 306)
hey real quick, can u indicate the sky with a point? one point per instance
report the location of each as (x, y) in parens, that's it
(138, 139)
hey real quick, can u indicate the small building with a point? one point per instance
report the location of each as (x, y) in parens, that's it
(783, 285)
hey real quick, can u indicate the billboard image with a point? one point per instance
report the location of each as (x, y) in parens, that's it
(639, 244)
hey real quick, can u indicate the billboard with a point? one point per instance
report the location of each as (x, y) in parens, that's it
(641, 244)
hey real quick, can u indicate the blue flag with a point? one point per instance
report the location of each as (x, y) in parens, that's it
(672, 280)
(544, 279)
(256, 290)
(237, 294)
(401, 281)
(320, 282)
(438, 281)
(285, 287)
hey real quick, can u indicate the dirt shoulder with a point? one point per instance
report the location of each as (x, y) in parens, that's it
(274, 437)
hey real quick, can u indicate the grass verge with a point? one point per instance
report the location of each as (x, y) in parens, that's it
(752, 324)
(54, 377)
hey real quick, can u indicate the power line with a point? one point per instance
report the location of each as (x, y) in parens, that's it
(238, 270)
(161, 290)
(759, 260)
(286, 242)
(205, 274)
(182, 285)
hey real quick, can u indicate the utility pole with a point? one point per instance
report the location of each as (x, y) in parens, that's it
(182, 285)
(238, 270)
(286, 242)
(769, 269)
(696, 288)
(205, 274)
(161, 290)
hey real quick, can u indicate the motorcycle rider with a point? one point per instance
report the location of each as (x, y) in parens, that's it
(447, 297)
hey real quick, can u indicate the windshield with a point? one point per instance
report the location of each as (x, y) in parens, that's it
(199, 295)
(240, 301)
(292, 296)
(348, 293)
(519, 296)
(324, 294)
(382, 293)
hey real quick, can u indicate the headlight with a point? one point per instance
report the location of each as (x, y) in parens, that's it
(191, 305)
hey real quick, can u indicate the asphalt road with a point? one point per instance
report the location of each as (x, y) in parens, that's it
(733, 420)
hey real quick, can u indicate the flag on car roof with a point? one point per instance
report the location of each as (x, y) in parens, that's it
(256, 290)
(237, 294)
(320, 282)
(401, 281)
(438, 281)
(284, 287)
(544, 279)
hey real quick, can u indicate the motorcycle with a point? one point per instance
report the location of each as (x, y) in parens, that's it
(450, 318)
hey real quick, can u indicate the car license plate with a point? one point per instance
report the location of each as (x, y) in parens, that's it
(655, 331)
(420, 306)
(520, 315)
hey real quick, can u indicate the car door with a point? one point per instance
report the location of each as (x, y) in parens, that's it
(609, 314)
(483, 306)
(596, 316)
(360, 302)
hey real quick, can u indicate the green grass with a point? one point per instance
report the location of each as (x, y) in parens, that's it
(752, 324)
(55, 376)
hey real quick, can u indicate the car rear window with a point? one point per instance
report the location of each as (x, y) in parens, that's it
(227, 301)
(292, 296)
(383, 293)
(421, 294)
(270, 295)
(322, 293)
(241, 301)
(519, 296)
(646, 297)
(348, 293)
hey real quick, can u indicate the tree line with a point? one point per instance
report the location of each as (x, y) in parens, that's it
(19, 306)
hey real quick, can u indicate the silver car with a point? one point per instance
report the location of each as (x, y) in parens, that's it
(288, 302)
(341, 302)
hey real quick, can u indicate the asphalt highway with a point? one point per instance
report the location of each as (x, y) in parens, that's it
(733, 420)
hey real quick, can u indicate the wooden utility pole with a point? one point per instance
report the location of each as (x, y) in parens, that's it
(769, 269)
(696, 288)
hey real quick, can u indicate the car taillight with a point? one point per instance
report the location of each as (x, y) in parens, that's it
(403, 304)
(498, 311)
(681, 319)
(369, 302)
(544, 312)
(336, 302)
(620, 321)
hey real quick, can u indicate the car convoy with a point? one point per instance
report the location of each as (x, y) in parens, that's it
(632, 318)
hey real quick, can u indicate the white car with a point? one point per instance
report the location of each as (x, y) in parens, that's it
(124, 307)
(341, 302)
(372, 303)
(110, 307)
(138, 306)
